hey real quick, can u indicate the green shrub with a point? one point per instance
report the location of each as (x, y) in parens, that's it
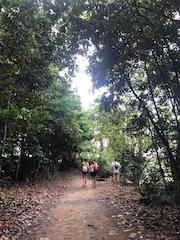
(151, 188)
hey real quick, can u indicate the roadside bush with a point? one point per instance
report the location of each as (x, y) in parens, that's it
(151, 188)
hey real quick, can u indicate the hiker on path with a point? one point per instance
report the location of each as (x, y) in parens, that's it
(84, 170)
(116, 168)
(93, 172)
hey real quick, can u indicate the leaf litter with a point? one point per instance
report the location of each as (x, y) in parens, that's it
(141, 221)
(24, 206)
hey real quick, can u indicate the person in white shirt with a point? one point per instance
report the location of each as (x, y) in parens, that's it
(84, 170)
(116, 168)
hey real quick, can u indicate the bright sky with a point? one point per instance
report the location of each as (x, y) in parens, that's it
(82, 83)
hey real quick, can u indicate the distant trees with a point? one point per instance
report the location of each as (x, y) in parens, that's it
(112, 139)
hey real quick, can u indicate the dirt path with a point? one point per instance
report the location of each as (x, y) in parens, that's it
(81, 214)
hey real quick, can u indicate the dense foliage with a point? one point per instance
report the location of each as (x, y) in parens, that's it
(137, 54)
(40, 116)
(111, 140)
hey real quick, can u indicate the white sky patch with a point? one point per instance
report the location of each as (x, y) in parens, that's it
(82, 83)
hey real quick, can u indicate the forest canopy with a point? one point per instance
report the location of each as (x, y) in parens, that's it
(135, 56)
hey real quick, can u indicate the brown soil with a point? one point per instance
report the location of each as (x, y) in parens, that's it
(81, 214)
(62, 209)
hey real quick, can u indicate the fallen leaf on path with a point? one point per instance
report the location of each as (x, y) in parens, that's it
(132, 235)
(91, 225)
(112, 232)
(127, 230)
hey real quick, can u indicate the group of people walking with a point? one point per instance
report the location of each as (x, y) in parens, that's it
(93, 168)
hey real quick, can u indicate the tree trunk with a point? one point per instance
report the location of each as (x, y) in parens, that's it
(158, 157)
(18, 167)
(160, 133)
(5, 135)
(3, 146)
(38, 167)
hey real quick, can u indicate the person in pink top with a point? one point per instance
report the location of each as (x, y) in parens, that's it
(93, 172)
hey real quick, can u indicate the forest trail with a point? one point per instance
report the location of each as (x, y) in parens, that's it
(81, 214)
